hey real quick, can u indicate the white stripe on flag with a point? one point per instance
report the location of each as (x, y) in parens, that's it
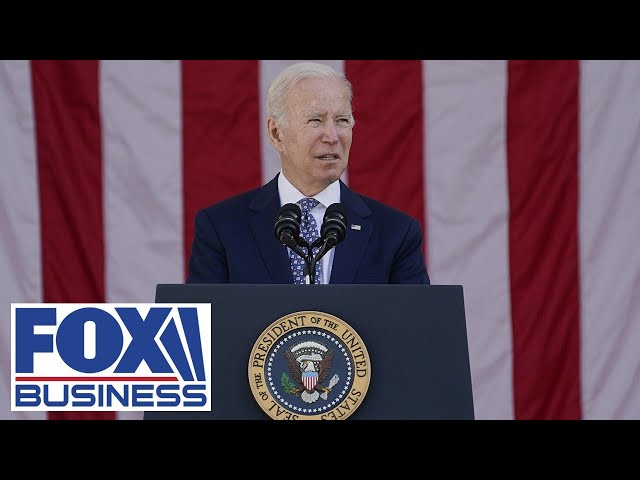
(609, 238)
(141, 122)
(268, 70)
(467, 205)
(142, 135)
(20, 254)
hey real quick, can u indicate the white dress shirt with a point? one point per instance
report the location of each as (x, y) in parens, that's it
(330, 195)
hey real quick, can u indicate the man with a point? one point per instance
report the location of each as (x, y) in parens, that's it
(310, 123)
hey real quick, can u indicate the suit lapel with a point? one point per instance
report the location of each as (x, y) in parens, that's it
(266, 206)
(348, 254)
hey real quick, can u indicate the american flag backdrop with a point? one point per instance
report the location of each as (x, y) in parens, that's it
(524, 174)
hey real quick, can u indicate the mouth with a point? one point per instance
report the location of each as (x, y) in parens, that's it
(328, 157)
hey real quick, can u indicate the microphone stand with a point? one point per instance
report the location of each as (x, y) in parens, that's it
(325, 246)
(310, 269)
(309, 264)
(328, 239)
(297, 246)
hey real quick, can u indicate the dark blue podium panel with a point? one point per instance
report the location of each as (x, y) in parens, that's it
(415, 335)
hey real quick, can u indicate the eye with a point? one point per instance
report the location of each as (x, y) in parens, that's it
(344, 121)
(314, 121)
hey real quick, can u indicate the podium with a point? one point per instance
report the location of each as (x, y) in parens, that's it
(415, 335)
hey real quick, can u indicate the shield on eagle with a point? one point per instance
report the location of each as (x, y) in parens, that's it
(309, 380)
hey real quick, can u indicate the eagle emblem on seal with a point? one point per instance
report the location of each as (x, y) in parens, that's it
(309, 366)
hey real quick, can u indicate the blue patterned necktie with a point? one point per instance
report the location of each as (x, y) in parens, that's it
(308, 231)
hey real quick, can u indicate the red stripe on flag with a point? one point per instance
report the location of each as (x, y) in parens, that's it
(221, 134)
(386, 160)
(69, 149)
(542, 149)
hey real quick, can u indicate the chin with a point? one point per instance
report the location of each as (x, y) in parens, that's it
(329, 179)
(332, 173)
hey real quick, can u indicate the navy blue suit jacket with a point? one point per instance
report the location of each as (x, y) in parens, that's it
(234, 242)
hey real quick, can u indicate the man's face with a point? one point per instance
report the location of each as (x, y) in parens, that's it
(315, 142)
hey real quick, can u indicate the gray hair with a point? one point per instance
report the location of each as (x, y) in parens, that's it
(287, 78)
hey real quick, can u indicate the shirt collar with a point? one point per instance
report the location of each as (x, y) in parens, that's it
(290, 194)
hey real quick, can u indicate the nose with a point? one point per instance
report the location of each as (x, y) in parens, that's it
(330, 134)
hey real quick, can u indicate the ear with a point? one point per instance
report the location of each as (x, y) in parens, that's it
(275, 133)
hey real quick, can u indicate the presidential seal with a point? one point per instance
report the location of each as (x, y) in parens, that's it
(309, 366)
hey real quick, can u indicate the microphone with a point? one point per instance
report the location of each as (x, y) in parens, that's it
(287, 228)
(332, 232)
(334, 225)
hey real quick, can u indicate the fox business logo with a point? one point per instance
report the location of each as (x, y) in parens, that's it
(122, 357)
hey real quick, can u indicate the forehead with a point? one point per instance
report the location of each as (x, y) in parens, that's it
(319, 93)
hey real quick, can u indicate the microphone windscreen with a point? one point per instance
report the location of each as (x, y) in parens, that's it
(336, 208)
(288, 221)
(335, 222)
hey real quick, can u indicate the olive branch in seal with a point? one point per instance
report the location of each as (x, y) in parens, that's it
(287, 384)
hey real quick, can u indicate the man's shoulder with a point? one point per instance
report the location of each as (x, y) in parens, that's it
(231, 205)
(384, 211)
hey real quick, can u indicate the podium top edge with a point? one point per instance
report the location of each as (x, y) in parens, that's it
(344, 285)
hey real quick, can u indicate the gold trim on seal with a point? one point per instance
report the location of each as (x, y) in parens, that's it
(324, 394)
